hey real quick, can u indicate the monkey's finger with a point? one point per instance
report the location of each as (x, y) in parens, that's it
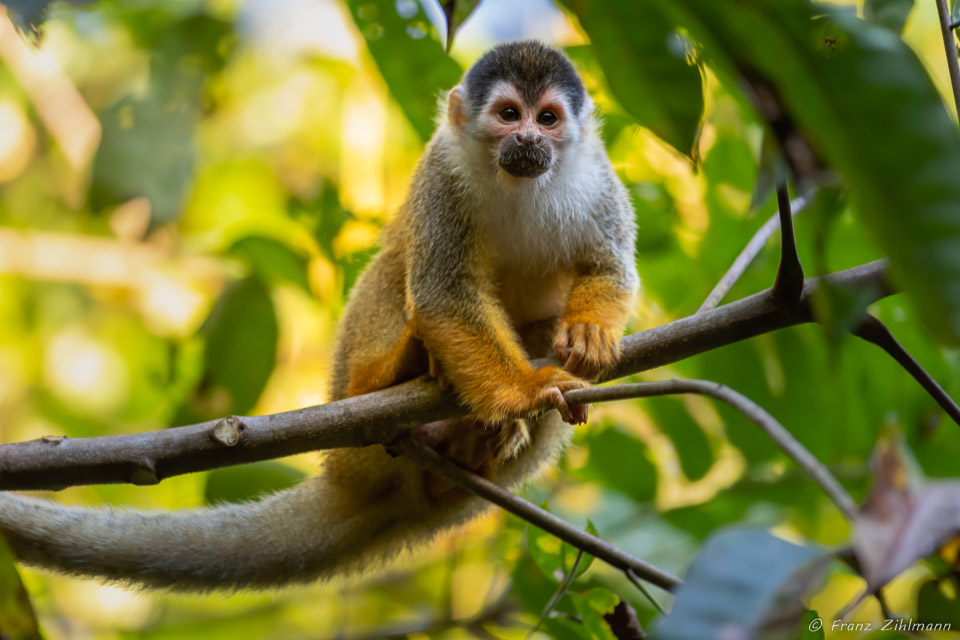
(578, 347)
(560, 404)
(579, 412)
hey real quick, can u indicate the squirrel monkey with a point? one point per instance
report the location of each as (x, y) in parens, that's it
(516, 241)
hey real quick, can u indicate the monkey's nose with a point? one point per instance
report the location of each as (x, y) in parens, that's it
(524, 138)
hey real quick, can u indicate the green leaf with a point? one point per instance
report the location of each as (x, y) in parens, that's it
(563, 628)
(689, 441)
(955, 11)
(740, 580)
(934, 606)
(554, 557)
(619, 461)
(246, 482)
(645, 63)
(812, 628)
(904, 181)
(273, 261)
(409, 55)
(891, 14)
(241, 349)
(17, 618)
(592, 606)
(147, 149)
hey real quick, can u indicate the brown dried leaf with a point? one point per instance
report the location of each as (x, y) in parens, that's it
(903, 519)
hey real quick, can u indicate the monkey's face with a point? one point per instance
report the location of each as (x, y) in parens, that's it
(525, 138)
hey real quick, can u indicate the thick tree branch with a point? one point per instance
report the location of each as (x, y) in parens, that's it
(873, 330)
(754, 412)
(375, 418)
(433, 461)
(747, 256)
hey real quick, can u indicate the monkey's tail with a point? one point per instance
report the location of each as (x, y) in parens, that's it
(364, 510)
(316, 530)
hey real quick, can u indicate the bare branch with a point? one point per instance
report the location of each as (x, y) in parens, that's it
(374, 418)
(873, 330)
(789, 283)
(747, 256)
(754, 412)
(950, 47)
(433, 461)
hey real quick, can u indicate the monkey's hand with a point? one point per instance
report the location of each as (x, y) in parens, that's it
(544, 389)
(587, 349)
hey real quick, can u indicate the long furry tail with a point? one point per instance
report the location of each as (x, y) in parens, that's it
(364, 510)
(305, 533)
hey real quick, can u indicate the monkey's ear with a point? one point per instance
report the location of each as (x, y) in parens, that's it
(456, 113)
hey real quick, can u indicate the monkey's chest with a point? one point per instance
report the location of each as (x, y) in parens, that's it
(529, 296)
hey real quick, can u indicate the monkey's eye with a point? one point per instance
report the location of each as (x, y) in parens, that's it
(547, 118)
(509, 114)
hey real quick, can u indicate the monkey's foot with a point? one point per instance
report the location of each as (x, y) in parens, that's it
(511, 439)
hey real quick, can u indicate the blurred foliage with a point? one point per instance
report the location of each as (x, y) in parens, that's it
(188, 195)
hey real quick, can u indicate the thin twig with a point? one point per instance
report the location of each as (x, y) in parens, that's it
(950, 47)
(788, 286)
(747, 256)
(375, 418)
(873, 330)
(433, 461)
(555, 598)
(754, 412)
(632, 577)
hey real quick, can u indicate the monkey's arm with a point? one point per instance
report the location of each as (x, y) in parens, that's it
(588, 334)
(451, 299)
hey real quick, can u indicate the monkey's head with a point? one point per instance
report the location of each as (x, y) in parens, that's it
(524, 104)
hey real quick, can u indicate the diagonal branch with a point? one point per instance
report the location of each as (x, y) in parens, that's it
(374, 418)
(754, 412)
(433, 461)
(747, 256)
(873, 330)
(950, 46)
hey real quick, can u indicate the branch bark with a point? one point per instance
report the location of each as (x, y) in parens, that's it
(754, 412)
(375, 418)
(873, 330)
(950, 47)
(433, 461)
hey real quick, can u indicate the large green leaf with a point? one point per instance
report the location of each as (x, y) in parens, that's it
(620, 461)
(868, 107)
(554, 557)
(936, 605)
(241, 350)
(645, 63)
(689, 440)
(273, 260)
(409, 55)
(891, 14)
(744, 583)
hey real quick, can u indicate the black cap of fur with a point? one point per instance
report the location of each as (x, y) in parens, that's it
(531, 67)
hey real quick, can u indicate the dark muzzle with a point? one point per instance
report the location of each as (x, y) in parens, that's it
(524, 157)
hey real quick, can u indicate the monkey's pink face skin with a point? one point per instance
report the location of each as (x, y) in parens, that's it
(524, 135)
